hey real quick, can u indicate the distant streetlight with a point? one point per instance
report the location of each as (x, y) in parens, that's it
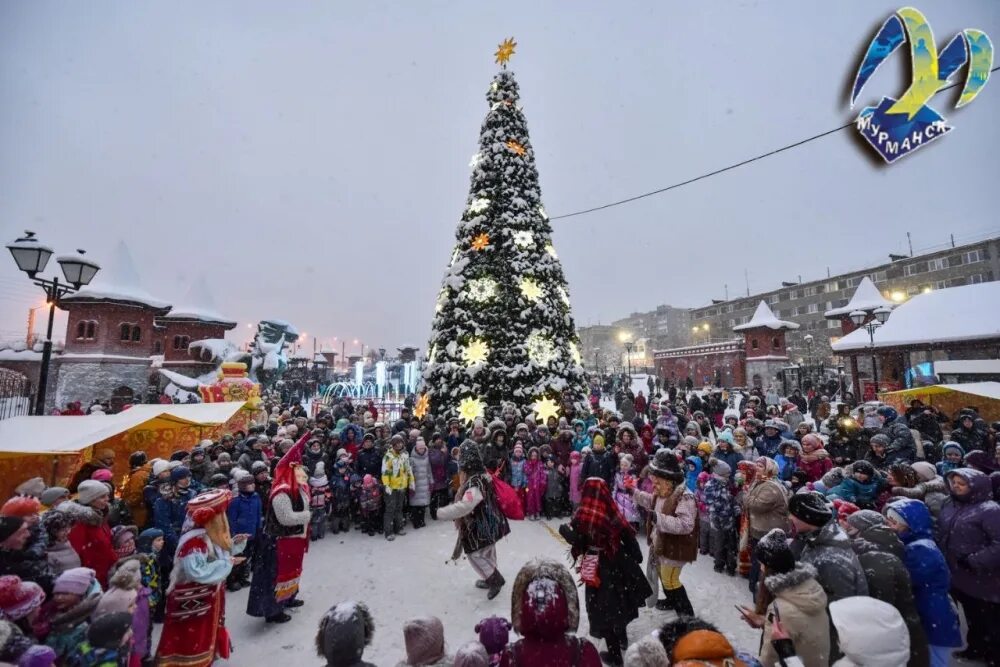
(879, 317)
(32, 257)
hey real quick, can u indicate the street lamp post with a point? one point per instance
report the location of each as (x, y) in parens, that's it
(32, 257)
(808, 338)
(628, 353)
(880, 315)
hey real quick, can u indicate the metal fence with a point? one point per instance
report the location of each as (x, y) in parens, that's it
(15, 394)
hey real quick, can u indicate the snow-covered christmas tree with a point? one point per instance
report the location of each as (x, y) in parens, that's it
(503, 332)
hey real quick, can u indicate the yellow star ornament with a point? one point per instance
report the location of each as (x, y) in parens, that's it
(476, 352)
(480, 242)
(505, 50)
(422, 406)
(471, 409)
(516, 147)
(530, 289)
(545, 408)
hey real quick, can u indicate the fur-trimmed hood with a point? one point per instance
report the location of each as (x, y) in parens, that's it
(542, 568)
(82, 513)
(799, 588)
(344, 632)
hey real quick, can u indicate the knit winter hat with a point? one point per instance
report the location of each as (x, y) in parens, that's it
(647, 652)
(598, 440)
(22, 506)
(665, 466)
(19, 598)
(469, 458)
(810, 508)
(344, 631)
(31, 487)
(773, 551)
(368, 481)
(864, 468)
(121, 534)
(722, 469)
(160, 466)
(705, 448)
(90, 490)
(494, 633)
(109, 630)
(145, 542)
(690, 442)
(472, 654)
(37, 655)
(879, 439)
(9, 525)
(75, 581)
(179, 473)
(102, 475)
(844, 509)
(258, 467)
(51, 495)
(863, 519)
(925, 471)
(424, 639)
(519, 449)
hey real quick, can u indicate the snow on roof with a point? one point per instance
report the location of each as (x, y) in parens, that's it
(866, 297)
(198, 304)
(967, 367)
(764, 317)
(20, 355)
(302, 353)
(219, 347)
(119, 282)
(955, 314)
(289, 327)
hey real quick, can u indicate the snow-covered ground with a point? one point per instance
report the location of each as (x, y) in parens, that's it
(413, 576)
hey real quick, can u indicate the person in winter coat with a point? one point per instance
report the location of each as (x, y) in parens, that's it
(821, 542)
(881, 554)
(724, 450)
(439, 458)
(108, 638)
(420, 495)
(769, 442)
(545, 612)
(970, 431)
(245, 514)
(861, 488)
(920, 482)
(344, 484)
(622, 588)
(600, 463)
(90, 535)
(815, 460)
(952, 455)
(798, 603)
(370, 505)
(320, 497)
(369, 458)
(534, 472)
(723, 514)
(788, 459)
(344, 632)
(138, 477)
(766, 505)
(480, 522)
(694, 467)
(75, 596)
(60, 553)
(575, 483)
(580, 437)
(929, 577)
(901, 446)
(624, 480)
(397, 479)
(871, 632)
(969, 536)
(672, 528)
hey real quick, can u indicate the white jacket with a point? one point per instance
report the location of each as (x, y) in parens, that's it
(871, 633)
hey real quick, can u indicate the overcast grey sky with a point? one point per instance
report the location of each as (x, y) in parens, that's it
(311, 158)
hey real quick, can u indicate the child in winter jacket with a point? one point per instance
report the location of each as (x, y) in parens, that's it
(319, 502)
(788, 459)
(342, 486)
(370, 501)
(624, 481)
(723, 514)
(694, 467)
(580, 437)
(704, 526)
(494, 635)
(108, 638)
(952, 454)
(245, 514)
(74, 598)
(575, 465)
(518, 479)
(553, 489)
(537, 479)
(861, 488)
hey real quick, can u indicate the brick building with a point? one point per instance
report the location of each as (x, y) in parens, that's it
(722, 364)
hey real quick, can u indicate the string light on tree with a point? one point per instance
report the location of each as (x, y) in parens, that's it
(475, 352)
(482, 289)
(479, 204)
(545, 408)
(524, 239)
(530, 289)
(540, 349)
(471, 409)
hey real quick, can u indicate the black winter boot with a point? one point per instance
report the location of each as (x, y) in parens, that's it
(668, 602)
(495, 582)
(683, 607)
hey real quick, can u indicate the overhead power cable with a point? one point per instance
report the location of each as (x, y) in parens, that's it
(716, 172)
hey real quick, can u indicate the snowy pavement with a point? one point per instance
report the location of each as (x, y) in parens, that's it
(413, 576)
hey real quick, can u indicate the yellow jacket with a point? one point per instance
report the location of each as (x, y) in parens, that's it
(396, 472)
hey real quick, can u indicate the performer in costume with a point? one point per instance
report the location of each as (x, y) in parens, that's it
(480, 522)
(284, 541)
(194, 629)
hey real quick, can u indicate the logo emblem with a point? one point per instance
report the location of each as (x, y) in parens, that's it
(896, 128)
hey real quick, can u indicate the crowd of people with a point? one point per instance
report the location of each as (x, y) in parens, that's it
(879, 521)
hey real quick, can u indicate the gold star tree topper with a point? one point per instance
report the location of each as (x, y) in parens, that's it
(422, 406)
(545, 408)
(505, 50)
(471, 408)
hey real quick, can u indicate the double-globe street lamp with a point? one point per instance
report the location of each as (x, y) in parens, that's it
(32, 257)
(880, 315)
(626, 340)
